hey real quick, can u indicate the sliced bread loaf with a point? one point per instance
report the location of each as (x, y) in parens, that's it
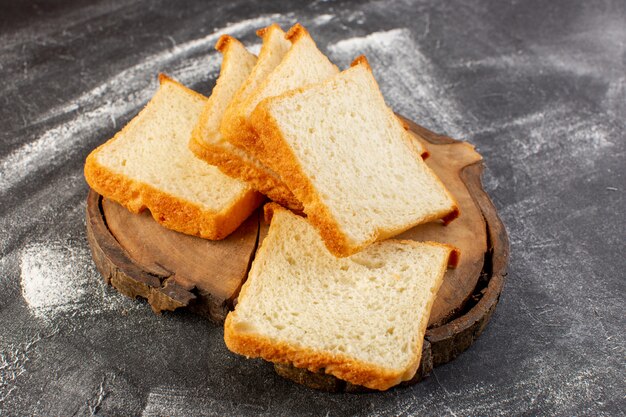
(348, 159)
(207, 142)
(148, 165)
(302, 65)
(361, 318)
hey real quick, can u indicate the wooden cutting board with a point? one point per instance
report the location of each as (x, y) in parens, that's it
(140, 258)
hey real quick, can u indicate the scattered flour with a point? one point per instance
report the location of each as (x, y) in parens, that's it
(407, 78)
(59, 279)
(175, 401)
(322, 19)
(538, 392)
(543, 389)
(539, 117)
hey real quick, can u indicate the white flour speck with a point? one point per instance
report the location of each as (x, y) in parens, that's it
(322, 19)
(407, 78)
(58, 279)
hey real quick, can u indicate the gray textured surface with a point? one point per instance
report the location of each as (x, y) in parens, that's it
(538, 86)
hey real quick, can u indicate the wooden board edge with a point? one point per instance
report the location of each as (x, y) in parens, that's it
(121, 272)
(426, 134)
(451, 339)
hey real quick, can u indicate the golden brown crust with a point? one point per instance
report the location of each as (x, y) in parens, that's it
(279, 157)
(296, 32)
(237, 167)
(268, 211)
(229, 162)
(264, 31)
(164, 78)
(341, 366)
(168, 210)
(223, 42)
(455, 258)
(242, 134)
(272, 149)
(361, 60)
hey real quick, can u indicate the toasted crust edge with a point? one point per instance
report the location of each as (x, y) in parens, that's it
(341, 366)
(170, 211)
(234, 166)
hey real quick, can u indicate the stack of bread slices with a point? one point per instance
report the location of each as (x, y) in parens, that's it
(328, 289)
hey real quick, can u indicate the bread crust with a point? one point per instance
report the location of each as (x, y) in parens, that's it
(343, 367)
(172, 212)
(224, 42)
(272, 149)
(235, 166)
(296, 32)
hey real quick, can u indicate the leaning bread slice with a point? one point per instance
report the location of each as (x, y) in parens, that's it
(361, 318)
(273, 50)
(302, 65)
(148, 165)
(348, 159)
(207, 142)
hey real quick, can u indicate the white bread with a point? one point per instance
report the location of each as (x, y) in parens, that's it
(361, 318)
(302, 65)
(207, 142)
(148, 165)
(237, 63)
(274, 48)
(347, 157)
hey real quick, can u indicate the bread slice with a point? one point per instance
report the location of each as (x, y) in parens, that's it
(148, 165)
(207, 142)
(361, 318)
(237, 63)
(275, 47)
(347, 157)
(302, 65)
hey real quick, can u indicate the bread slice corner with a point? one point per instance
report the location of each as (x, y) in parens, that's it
(147, 165)
(361, 318)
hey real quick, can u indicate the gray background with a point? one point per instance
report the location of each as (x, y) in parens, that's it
(538, 86)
